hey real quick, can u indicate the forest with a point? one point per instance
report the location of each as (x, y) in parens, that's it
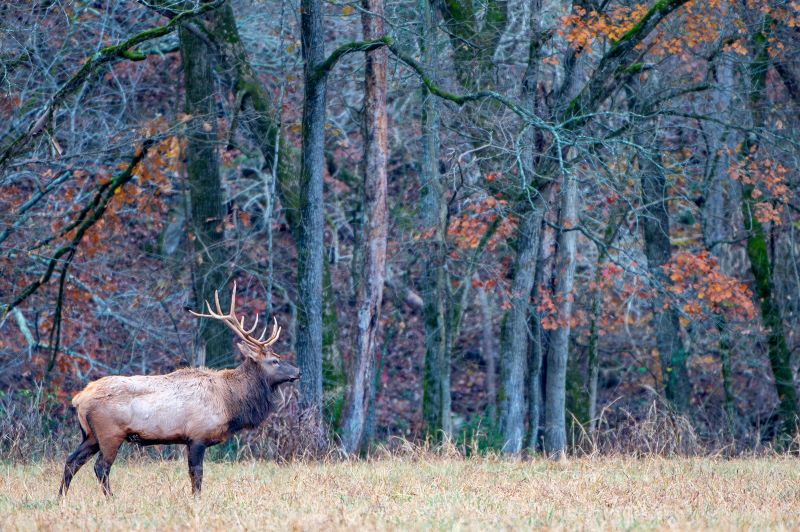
(546, 226)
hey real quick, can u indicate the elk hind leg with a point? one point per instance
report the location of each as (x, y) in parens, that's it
(75, 461)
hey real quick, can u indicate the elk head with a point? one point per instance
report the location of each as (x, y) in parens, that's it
(255, 350)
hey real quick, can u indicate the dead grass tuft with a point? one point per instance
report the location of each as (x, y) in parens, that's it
(661, 432)
(29, 427)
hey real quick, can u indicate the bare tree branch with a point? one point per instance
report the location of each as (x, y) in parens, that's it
(124, 50)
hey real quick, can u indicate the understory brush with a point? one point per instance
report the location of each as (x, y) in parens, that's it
(36, 426)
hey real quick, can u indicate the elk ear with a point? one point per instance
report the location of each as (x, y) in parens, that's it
(248, 352)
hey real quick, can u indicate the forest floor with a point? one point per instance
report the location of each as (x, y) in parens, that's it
(401, 493)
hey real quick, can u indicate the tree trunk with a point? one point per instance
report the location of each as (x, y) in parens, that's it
(207, 212)
(672, 353)
(594, 340)
(717, 217)
(758, 254)
(777, 349)
(536, 347)
(594, 360)
(514, 343)
(312, 223)
(280, 158)
(727, 375)
(555, 432)
(616, 220)
(540, 337)
(790, 80)
(370, 289)
(544, 17)
(265, 126)
(433, 289)
(488, 352)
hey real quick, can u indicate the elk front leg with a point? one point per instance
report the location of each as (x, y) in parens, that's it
(102, 467)
(108, 453)
(196, 451)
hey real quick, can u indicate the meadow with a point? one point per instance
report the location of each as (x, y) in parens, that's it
(422, 492)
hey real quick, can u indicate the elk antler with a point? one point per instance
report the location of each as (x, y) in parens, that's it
(237, 325)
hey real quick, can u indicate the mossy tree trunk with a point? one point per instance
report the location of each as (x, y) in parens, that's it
(758, 252)
(474, 41)
(264, 126)
(207, 207)
(777, 349)
(433, 219)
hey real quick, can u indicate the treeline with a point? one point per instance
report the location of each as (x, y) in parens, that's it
(525, 221)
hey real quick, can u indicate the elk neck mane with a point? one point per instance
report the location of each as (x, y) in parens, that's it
(248, 396)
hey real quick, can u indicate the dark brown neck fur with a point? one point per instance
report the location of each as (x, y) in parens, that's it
(249, 396)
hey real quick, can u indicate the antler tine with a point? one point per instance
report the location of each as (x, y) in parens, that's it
(272, 337)
(251, 329)
(276, 331)
(210, 314)
(261, 338)
(243, 333)
(238, 324)
(216, 302)
(235, 323)
(275, 338)
(233, 301)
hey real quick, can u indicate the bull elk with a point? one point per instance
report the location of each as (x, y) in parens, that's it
(196, 407)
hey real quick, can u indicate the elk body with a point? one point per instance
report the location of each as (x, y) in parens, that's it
(196, 407)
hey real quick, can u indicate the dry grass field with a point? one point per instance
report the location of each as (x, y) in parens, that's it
(422, 493)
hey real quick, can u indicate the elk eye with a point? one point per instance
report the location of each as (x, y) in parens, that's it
(274, 362)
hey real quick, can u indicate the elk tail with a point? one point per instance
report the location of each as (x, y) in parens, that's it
(79, 398)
